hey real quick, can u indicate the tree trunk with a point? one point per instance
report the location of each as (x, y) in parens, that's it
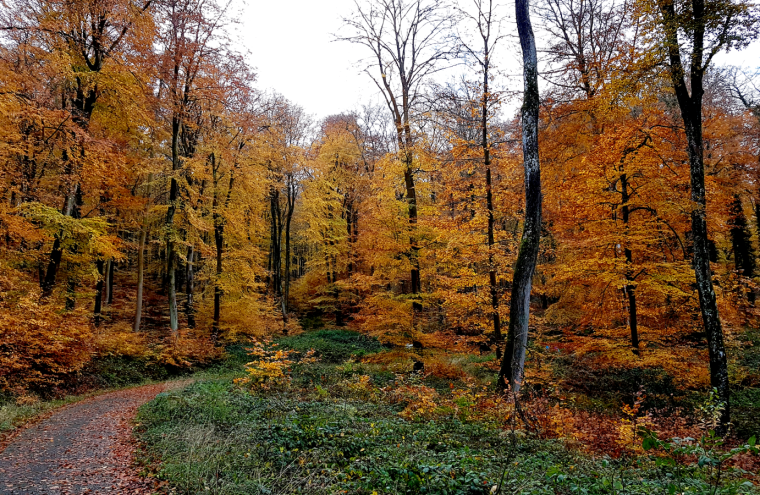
(109, 282)
(744, 257)
(140, 275)
(107, 285)
(411, 197)
(190, 287)
(69, 209)
(690, 106)
(219, 240)
(99, 292)
(489, 205)
(513, 363)
(170, 254)
(630, 286)
(288, 218)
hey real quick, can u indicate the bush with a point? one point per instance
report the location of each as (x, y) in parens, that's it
(333, 346)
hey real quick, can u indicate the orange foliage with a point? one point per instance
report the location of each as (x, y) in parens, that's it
(38, 345)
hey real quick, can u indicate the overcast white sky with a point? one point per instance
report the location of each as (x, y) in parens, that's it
(291, 43)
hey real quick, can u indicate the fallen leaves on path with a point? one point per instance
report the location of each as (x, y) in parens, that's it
(83, 448)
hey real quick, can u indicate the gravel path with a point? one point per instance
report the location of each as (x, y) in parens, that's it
(82, 448)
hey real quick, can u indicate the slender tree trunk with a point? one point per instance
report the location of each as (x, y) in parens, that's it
(190, 287)
(630, 286)
(411, 197)
(71, 294)
(99, 292)
(219, 240)
(69, 210)
(111, 269)
(690, 106)
(140, 275)
(170, 254)
(744, 256)
(288, 218)
(489, 205)
(513, 363)
(107, 284)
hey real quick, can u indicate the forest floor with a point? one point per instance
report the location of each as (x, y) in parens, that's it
(85, 447)
(358, 422)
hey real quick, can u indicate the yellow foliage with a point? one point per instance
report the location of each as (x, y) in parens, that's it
(271, 369)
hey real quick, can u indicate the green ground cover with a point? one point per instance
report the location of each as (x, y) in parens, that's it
(322, 435)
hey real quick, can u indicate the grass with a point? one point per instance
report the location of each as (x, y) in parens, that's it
(326, 434)
(16, 413)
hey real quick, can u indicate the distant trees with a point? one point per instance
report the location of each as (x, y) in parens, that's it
(408, 42)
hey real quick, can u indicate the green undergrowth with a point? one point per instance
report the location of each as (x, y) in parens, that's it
(334, 346)
(319, 436)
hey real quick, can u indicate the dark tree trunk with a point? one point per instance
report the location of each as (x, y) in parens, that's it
(219, 240)
(190, 287)
(411, 197)
(291, 200)
(170, 254)
(513, 363)
(690, 106)
(744, 256)
(630, 286)
(140, 277)
(99, 292)
(71, 294)
(484, 110)
(109, 286)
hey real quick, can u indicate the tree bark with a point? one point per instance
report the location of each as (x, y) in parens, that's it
(170, 254)
(219, 222)
(690, 106)
(291, 200)
(513, 363)
(140, 275)
(630, 286)
(484, 110)
(99, 292)
(190, 287)
(109, 282)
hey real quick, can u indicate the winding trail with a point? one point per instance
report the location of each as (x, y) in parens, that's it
(81, 448)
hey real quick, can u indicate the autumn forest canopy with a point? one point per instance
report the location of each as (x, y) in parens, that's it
(596, 218)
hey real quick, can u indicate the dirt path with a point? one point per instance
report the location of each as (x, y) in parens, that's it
(82, 448)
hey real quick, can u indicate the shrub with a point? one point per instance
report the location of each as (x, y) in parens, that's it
(333, 346)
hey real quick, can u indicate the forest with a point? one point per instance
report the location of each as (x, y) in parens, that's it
(566, 260)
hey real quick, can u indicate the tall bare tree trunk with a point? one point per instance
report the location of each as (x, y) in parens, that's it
(170, 254)
(630, 286)
(512, 366)
(291, 200)
(99, 292)
(690, 106)
(107, 285)
(140, 277)
(109, 282)
(190, 287)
